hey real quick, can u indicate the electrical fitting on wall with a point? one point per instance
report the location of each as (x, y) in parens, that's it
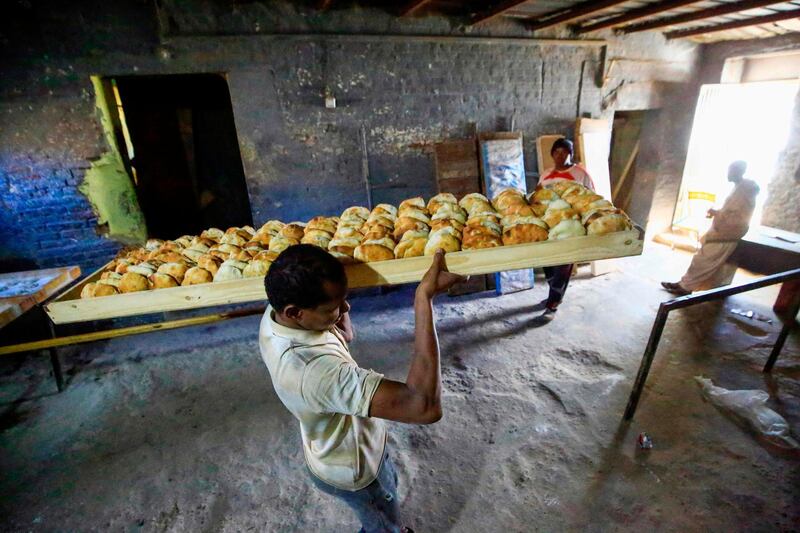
(330, 100)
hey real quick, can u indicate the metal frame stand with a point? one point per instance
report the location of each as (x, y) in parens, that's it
(790, 322)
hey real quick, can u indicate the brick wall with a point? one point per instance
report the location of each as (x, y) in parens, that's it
(301, 159)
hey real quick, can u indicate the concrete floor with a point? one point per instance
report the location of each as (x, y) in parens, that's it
(181, 430)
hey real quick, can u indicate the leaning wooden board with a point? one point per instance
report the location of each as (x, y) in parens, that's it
(71, 308)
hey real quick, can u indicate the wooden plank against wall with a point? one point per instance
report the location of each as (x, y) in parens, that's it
(393, 272)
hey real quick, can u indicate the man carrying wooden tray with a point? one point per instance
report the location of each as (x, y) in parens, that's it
(303, 340)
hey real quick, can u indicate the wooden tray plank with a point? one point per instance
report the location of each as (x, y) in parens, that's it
(362, 275)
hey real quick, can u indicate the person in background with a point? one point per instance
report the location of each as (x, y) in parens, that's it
(730, 224)
(303, 338)
(558, 276)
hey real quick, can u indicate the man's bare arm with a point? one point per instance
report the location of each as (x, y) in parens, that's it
(418, 400)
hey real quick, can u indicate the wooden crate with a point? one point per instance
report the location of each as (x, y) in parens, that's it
(69, 307)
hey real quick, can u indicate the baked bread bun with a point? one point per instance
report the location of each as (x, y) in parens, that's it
(447, 238)
(230, 270)
(143, 269)
(507, 198)
(543, 195)
(153, 244)
(176, 270)
(386, 210)
(182, 242)
(88, 290)
(567, 228)
(442, 198)
(256, 269)
(133, 282)
(474, 202)
(344, 245)
(279, 243)
(484, 224)
(215, 234)
(110, 278)
(196, 276)
(374, 250)
(553, 217)
(355, 212)
(293, 230)
(327, 224)
(379, 219)
(347, 232)
(560, 186)
(377, 232)
(581, 203)
(208, 262)
(317, 238)
(417, 203)
(159, 280)
(608, 222)
(406, 224)
(413, 246)
(272, 227)
(266, 256)
(103, 289)
(519, 230)
(233, 238)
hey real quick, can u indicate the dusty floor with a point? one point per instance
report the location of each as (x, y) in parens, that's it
(181, 431)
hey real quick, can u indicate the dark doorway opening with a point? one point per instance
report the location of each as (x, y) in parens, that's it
(183, 152)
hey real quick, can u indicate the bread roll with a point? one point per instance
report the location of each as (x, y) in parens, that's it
(122, 266)
(347, 232)
(386, 210)
(413, 247)
(110, 278)
(447, 223)
(192, 255)
(233, 238)
(208, 262)
(567, 228)
(521, 209)
(88, 290)
(345, 245)
(356, 211)
(608, 222)
(379, 219)
(559, 187)
(417, 203)
(446, 238)
(262, 238)
(215, 234)
(230, 270)
(293, 230)
(144, 269)
(318, 234)
(406, 224)
(529, 229)
(477, 241)
(279, 243)
(581, 203)
(507, 198)
(103, 289)
(183, 242)
(539, 209)
(321, 223)
(485, 223)
(159, 280)
(474, 203)
(176, 270)
(543, 195)
(197, 276)
(133, 282)
(256, 269)
(374, 250)
(442, 198)
(553, 217)
(244, 255)
(266, 256)
(377, 232)
(318, 238)
(572, 193)
(271, 227)
(153, 244)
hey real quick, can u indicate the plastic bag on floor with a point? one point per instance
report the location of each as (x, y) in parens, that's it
(749, 406)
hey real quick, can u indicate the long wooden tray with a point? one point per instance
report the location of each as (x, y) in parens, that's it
(69, 307)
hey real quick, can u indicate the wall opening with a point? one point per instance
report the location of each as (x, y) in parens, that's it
(626, 132)
(741, 121)
(182, 151)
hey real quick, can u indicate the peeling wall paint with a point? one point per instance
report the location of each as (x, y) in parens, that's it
(108, 186)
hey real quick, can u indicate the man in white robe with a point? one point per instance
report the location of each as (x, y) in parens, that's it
(730, 224)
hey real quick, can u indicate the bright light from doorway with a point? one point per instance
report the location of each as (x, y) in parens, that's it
(748, 121)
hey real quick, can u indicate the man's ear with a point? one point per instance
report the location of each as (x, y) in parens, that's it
(292, 311)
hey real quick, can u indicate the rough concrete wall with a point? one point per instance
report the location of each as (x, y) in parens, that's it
(780, 207)
(301, 159)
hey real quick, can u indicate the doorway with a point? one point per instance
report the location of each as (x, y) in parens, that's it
(182, 152)
(626, 132)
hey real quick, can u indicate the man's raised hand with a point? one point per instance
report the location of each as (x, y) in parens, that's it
(437, 279)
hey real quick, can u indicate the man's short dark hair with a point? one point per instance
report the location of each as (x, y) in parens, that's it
(566, 144)
(298, 276)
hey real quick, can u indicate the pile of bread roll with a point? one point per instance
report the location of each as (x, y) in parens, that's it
(413, 229)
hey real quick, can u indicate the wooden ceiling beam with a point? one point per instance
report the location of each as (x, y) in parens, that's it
(634, 14)
(575, 12)
(735, 24)
(412, 7)
(496, 11)
(716, 11)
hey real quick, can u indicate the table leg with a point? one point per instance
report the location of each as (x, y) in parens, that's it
(55, 359)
